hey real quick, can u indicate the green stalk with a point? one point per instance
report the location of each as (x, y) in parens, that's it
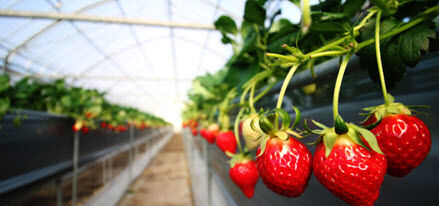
(402, 28)
(306, 16)
(363, 22)
(251, 102)
(328, 46)
(285, 85)
(236, 127)
(338, 83)
(378, 53)
(262, 94)
(327, 53)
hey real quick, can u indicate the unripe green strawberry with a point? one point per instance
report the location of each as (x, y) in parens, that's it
(251, 131)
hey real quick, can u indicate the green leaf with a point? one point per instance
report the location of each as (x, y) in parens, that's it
(225, 24)
(254, 12)
(319, 16)
(4, 83)
(265, 124)
(350, 7)
(328, 141)
(369, 137)
(396, 52)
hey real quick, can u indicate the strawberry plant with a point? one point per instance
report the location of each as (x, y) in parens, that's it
(387, 36)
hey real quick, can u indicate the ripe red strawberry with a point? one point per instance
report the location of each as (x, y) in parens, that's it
(226, 141)
(285, 166)
(88, 114)
(351, 172)
(77, 126)
(244, 174)
(103, 124)
(84, 130)
(405, 140)
(194, 132)
(208, 135)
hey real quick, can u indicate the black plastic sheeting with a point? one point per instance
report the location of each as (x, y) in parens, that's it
(420, 187)
(43, 146)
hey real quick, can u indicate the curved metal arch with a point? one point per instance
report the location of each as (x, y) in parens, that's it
(45, 29)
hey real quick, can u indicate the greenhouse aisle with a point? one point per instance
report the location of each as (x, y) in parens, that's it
(165, 182)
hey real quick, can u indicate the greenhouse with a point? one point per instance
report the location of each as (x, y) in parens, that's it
(219, 102)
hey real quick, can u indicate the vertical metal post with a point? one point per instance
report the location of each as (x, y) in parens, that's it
(206, 161)
(130, 154)
(75, 167)
(104, 172)
(59, 199)
(110, 167)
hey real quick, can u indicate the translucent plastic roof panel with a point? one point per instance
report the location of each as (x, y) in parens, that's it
(148, 67)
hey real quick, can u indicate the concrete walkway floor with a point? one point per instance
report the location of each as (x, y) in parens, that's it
(165, 182)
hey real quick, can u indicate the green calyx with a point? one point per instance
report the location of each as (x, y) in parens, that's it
(340, 125)
(356, 134)
(267, 124)
(384, 110)
(239, 158)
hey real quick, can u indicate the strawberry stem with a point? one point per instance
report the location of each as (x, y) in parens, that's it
(285, 85)
(378, 53)
(338, 83)
(251, 100)
(236, 128)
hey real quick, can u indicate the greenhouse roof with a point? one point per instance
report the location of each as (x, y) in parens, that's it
(143, 54)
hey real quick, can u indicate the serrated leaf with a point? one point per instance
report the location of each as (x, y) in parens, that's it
(225, 24)
(254, 12)
(369, 137)
(396, 52)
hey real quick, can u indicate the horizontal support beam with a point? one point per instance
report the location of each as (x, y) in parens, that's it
(105, 77)
(102, 19)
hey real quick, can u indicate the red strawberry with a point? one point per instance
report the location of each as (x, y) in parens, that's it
(85, 130)
(88, 114)
(103, 124)
(285, 166)
(77, 126)
(243, 173)
(226, 141)
(208, 135)
(405, 140)
(350, 171)
(194, 132)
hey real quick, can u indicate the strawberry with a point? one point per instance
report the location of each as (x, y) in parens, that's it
(77, 126)
(347, 167)
(404, 139)
(244, 174)
(208, 135)
(84, 130)
(88, 114)
(226, 141)
(103, 124)
(251, 131)
(194, 132)
(285, 166)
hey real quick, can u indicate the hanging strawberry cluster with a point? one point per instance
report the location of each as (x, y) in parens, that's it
(350, 160)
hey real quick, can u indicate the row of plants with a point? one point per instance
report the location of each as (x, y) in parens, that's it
(350, 159)
(85, 106)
